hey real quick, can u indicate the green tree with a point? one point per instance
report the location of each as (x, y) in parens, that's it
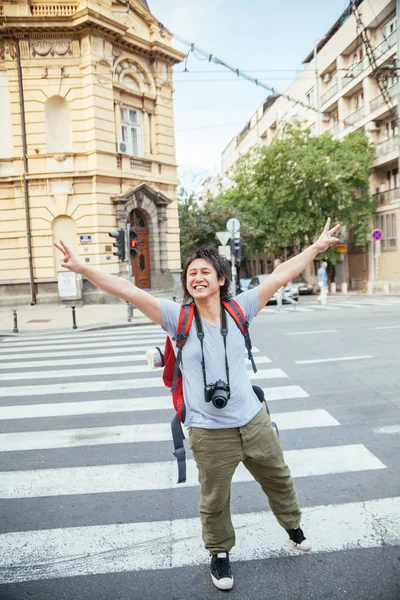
(285, 191)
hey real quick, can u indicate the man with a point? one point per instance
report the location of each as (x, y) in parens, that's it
(241, 431)
(323, 284)
(282, 295)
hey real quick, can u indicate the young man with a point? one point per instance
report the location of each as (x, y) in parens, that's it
(323, 284)
(241, 431)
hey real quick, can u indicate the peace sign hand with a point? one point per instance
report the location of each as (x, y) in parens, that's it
(69, 260)
(326, 239)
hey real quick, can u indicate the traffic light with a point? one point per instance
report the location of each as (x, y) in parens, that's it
(119, 243)
(238, 249)
(133, 242)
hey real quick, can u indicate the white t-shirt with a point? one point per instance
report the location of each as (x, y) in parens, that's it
(243, 403)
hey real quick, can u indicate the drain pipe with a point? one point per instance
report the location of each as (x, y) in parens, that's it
(25, 171)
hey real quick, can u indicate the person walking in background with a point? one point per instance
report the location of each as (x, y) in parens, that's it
(323, 284)
(281, 292)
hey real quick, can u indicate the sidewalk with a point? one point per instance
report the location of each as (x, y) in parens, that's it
(56, 318)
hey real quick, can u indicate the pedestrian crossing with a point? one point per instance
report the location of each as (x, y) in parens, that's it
(333, 305)
(67, 396)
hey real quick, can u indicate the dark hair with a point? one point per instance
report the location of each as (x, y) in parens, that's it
(220, 264)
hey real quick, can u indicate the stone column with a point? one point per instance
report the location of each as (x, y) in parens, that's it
(152, 133)
(146, 134)
(162, 230)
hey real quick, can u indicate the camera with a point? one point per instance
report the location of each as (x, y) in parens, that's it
(217, 393)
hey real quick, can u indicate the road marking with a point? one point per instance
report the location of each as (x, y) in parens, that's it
(125, 358)
(388, 429)
(122, 331)
(130, 345)
(326, 307)
(162, 475)
(156, 545)
(92, 407)
(133, 434)
(105, 386)
(312, 332)
(323, 360)
(89, 372)
(387, 327)
(100, 343)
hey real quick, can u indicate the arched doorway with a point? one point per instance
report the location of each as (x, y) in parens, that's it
(141, 264)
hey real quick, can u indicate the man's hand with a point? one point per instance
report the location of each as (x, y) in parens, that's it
(69, 260)
(326, 239)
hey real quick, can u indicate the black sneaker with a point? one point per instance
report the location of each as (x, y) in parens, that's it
(299, 540)
(221, 573)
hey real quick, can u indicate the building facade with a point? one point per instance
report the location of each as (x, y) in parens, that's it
(87, 142)
(339, 92)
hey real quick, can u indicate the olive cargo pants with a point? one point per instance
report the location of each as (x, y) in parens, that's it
(217, 453)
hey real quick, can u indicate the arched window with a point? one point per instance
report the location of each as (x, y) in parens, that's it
(130, 82)
(58, 125)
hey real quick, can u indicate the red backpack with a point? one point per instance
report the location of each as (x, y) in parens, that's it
(172, 376)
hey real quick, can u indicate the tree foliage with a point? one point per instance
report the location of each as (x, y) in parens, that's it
(286, 191)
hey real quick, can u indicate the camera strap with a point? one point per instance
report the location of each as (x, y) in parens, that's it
(200, 335)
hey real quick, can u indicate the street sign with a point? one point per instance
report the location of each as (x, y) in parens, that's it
(377, 248)
(223, 236)
(225, 251)
(341, 247)
(233, 225)
(377, 234)
(85, 239)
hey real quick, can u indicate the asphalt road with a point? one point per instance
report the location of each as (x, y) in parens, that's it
(89, 508)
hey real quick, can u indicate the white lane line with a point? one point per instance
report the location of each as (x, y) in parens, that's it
(388, 429)
(99, 342)
(323, 360)
(133, 434)
(105, 386)
(92, 407)
(312, 332)
(127, 358)
(130, 547)
(387, 327)
(326, 307)
(130, 344)
(87, 334)
(130, 350)
(162, 475)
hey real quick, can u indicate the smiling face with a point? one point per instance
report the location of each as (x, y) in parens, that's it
(202, 280)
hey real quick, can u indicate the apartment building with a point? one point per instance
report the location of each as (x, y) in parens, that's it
(341, 83)
(87, 142)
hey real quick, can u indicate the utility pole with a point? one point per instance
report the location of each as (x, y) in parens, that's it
(398, 89)
(317, 98)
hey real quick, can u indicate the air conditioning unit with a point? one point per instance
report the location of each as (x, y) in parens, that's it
(326, 78)
(122, 148)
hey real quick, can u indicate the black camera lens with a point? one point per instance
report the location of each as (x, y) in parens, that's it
(221, 394)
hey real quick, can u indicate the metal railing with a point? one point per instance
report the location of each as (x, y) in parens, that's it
(353, 72)
(388, 196)
(379, 101)
(140, 165)
(331, 91)
(355, 116)
(387, 146)
(387, 43)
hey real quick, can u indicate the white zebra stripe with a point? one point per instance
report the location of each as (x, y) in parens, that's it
(133, 434)
(92, 407)
(130, 344)
(140, 337)
(128, 330)
(116, 548)
(162, 475)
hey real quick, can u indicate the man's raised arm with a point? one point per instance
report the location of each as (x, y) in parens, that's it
(296, 265)
(112, 284)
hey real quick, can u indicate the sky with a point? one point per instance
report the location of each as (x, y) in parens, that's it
(269, 39)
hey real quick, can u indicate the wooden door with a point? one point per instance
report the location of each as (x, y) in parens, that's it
(141, 264)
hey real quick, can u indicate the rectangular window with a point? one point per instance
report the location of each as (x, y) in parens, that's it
(131, 130)
(310, 97)
(387, 223)
(390, 27)
(393, 179)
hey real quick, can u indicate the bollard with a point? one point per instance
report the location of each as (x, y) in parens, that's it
(333, 287)
(74, 326)
(15, 329)
(174, 298)
(344, 287)
(130, 312)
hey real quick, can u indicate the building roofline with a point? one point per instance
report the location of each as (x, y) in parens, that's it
(343, 17)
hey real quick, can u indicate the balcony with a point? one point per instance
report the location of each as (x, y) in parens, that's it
(355, 116)
(353, 72)
(387, 197)
(331, 91)
(387, 146)
(388, 43)
(380, 101)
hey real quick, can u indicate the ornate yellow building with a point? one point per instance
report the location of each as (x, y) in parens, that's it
(87, 142)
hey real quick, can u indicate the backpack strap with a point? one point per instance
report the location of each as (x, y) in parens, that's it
(184, 325)
(179, 448)
(236, 312)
